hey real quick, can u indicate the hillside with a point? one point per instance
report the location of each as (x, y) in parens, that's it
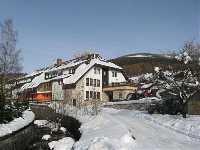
(139, 63)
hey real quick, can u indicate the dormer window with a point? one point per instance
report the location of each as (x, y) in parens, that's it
(71, 71)
(47, 76)
(60, 72)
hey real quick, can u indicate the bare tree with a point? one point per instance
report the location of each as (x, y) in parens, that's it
(10, 59)
(79, 54)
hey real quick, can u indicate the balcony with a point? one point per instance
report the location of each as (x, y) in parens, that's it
(119, 86)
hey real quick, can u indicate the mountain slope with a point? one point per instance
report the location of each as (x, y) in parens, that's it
(139, 63)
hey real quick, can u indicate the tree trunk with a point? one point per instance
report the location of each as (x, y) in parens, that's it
(184, 109)
(3, 92)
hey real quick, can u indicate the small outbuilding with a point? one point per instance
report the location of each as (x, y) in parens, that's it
(193, 106)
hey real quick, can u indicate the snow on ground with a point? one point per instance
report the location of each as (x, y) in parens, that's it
(62, 144)
(115, 129)
(151, 136)
(17, 123)
(105, 132)
(140, 56)
(41, 123)
(189, 126)
(45, 123)
(46, 137)
(130, 130)
(63, 129)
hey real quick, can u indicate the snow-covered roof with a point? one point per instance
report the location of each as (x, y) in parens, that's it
(81, 68)
(146, 86)
(64, 66)
(41, 79)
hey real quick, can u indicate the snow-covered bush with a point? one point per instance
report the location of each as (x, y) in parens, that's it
(182, 83)
(12, 110)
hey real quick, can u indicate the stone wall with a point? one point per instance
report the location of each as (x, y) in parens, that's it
(133, 106)
(18, 140)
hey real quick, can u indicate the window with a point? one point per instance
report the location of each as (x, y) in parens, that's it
(87, 94)
(120, 95)
(114, 74)
(104, 73)
(60, 82)
(95, 82)
(91, 94)
(74, 102)
(96, 70)
(54, 74)
(95, 95)
(60, 72)
(91, 82)
(87, 81)
(98, 95)
(46, 75)
(98, 83)
(71, 71)
(45, 87)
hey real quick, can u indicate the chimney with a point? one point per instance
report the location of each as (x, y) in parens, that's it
(59, 62)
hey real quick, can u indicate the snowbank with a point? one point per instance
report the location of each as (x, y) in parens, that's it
(46, 137)
(17, 124)
(62, 144)
(41, 123)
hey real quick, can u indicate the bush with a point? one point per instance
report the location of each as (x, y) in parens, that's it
(12, 110)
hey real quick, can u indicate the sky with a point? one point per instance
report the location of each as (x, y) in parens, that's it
(50, 29)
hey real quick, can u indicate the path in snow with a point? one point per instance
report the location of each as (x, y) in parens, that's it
(150, 136)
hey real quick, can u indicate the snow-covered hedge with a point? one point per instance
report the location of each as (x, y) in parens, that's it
(17, 123)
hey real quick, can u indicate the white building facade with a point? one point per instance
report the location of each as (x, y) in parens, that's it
(80, 79)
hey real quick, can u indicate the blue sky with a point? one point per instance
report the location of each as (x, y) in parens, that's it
(49, 29)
